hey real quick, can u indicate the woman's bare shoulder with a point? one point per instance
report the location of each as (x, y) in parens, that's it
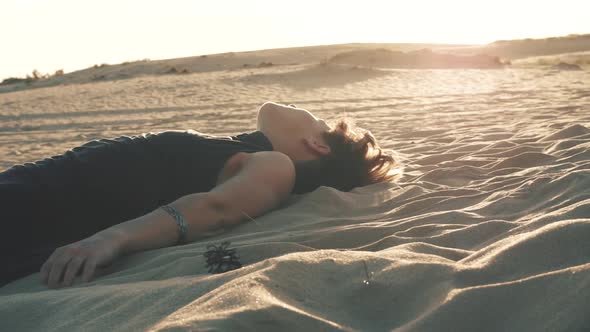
(273, 164)
(270, 159)
(274, 168)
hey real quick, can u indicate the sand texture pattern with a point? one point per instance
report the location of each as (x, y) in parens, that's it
(487, 230)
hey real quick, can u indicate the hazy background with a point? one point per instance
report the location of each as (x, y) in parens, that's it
(65, 34)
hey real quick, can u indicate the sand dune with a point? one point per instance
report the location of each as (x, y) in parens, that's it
(421, 59)
(311, 77)
(487, 230)
(560, 53)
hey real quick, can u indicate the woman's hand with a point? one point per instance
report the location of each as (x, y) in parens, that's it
(84, 256)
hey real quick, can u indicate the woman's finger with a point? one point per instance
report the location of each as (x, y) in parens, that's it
(89, 269)
(45, 269)
(57, 269)
(72, 270)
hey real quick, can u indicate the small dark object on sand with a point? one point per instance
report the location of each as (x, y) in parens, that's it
(221, 259)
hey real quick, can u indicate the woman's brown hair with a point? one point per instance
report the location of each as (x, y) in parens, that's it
(355, 160)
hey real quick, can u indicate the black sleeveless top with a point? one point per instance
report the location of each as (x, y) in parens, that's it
(128, 176)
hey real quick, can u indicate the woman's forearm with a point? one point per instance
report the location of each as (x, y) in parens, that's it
(154, 230)
(158, 229)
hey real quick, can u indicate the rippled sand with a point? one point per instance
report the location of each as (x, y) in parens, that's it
(488, 230)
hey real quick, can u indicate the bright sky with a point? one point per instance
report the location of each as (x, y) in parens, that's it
(74, 34)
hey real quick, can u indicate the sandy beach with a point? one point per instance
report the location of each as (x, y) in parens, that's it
(488, 228)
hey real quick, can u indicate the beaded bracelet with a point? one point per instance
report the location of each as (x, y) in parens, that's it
(179, 219)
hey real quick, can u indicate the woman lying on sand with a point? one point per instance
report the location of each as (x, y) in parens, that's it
(155, 190)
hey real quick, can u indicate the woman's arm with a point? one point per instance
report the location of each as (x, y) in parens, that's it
(264, 179)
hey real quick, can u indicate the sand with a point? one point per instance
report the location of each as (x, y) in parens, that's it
(487, 230)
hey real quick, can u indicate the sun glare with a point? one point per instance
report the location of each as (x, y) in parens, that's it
(68, 34)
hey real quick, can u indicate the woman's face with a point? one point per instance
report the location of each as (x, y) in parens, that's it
(292, 130)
